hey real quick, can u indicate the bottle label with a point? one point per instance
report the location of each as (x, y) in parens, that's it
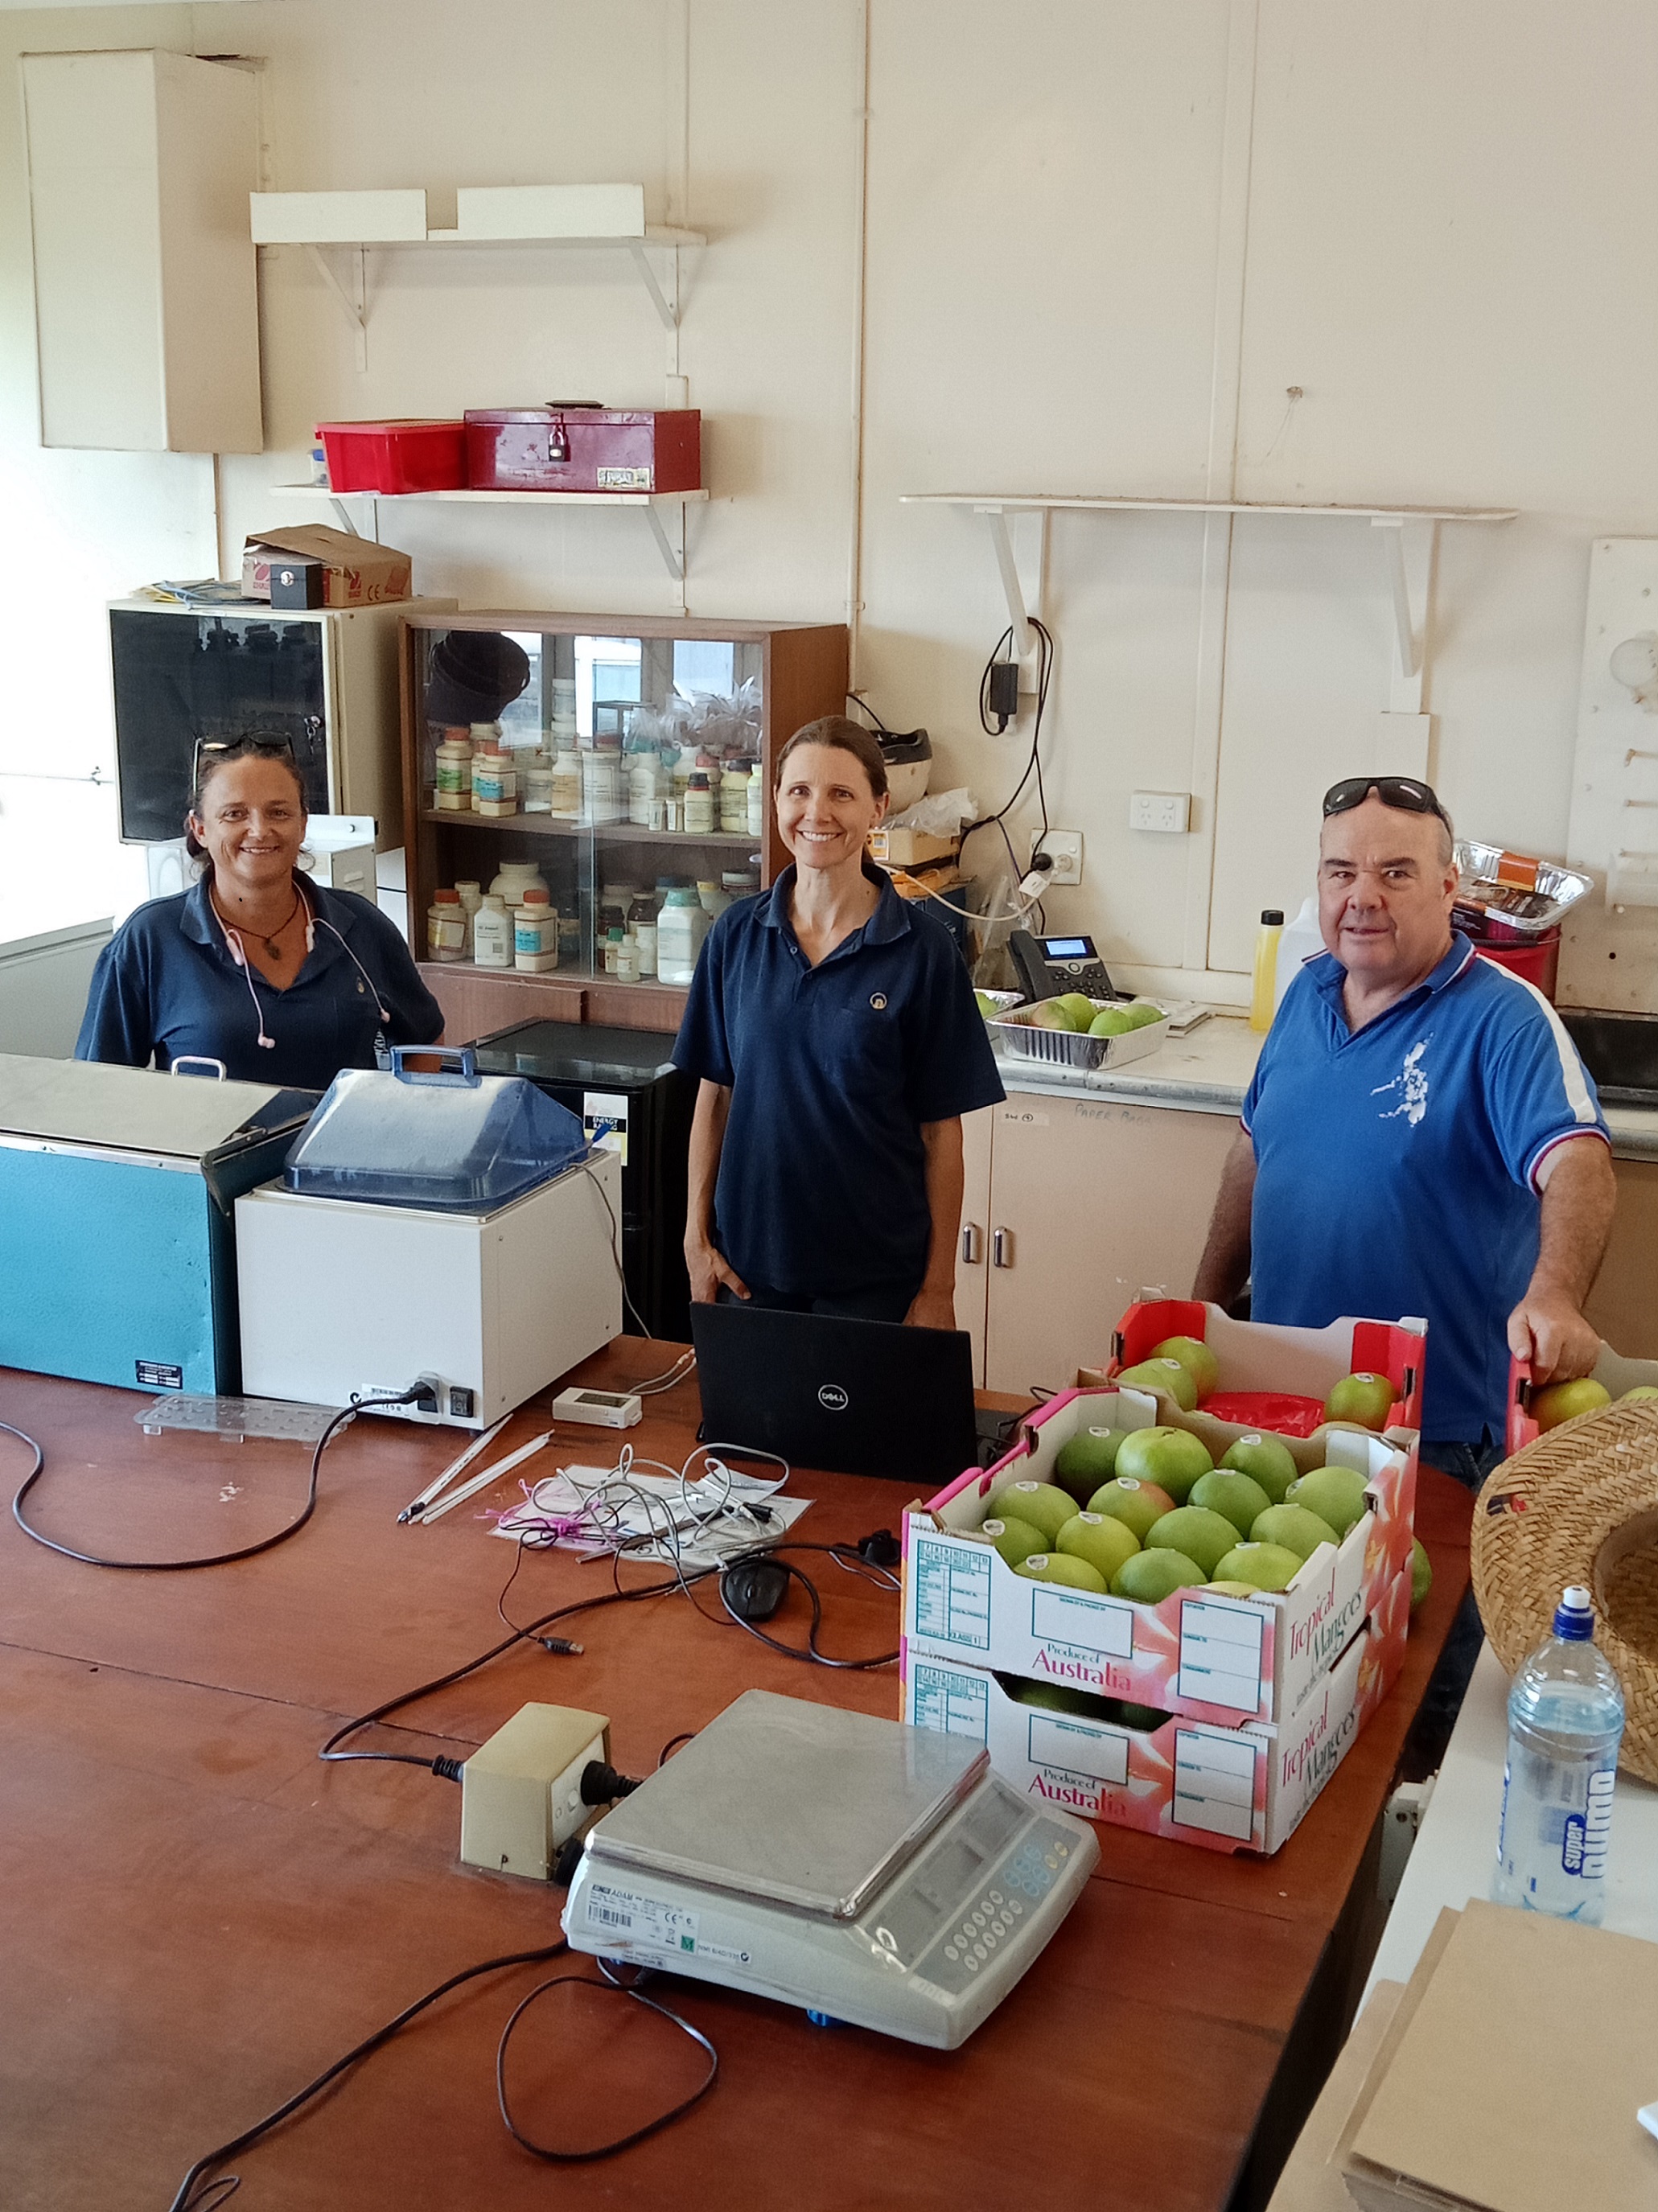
(527, 937)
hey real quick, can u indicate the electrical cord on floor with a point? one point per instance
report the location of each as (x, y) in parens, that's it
(213, 1559)
(192, 2197)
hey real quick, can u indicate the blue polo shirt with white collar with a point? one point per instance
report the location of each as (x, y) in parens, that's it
(832, 1072)
(1396, 1166)
(165, 987)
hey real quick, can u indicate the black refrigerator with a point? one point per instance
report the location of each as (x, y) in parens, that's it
(622, 1085)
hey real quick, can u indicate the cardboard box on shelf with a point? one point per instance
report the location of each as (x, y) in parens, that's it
(1241, 1788)
(1203, 1654)
(357, 572)
(908, 848)
(1288, 1373)
(1510, 2075)
(1615, 1373)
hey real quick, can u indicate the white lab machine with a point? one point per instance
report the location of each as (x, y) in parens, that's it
(874, 1873)
(445, 1225)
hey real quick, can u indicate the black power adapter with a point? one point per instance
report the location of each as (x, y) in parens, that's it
(1002, 692)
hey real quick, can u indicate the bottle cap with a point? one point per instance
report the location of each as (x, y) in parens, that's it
(1574, 1617)
(533, 895)
(446, 898)
(1272, 918)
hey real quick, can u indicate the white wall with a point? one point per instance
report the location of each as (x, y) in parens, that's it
(1102, 239)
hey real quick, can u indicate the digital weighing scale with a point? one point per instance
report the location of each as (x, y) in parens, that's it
(875, 1873)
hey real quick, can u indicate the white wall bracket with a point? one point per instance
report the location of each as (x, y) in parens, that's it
(355, 301)
(1001, 540)
(667, 309)
(1411, 548)
(673, 555)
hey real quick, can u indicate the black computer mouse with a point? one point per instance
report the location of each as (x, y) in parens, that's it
(753, 1589)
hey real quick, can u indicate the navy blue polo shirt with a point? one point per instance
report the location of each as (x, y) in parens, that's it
(1396, 1166)
(832, 1072)
(165, 987)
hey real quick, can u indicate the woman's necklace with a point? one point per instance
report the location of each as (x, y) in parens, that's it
(273, 950)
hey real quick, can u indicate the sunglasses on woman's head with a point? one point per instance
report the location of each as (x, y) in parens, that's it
(1403, 792)
(216, 749)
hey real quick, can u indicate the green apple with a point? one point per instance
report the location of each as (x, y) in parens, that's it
(1641, 1392)
(1563, 1401)
(1136, 1504)
(1421, 1573)
(1364, 1398)
(1103, 1543)
(1171, 1458)
(1052, 1697)
(1239, 1497)
(1079, 1011)
(1043, 1505)
(1050, 1015)
(1087, 1460)
(1336, 1494)
(1295, 1528)
(1061, 1567)
(1111, 1021)
(1196, 1531)
(1263, 1566)
(1265, 1461)
(1162, 1375)
(1151, 1576)
(1145, 1718)
(1195, 1355)
(1014, 1540)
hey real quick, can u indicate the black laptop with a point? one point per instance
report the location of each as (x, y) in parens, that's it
(860, 1397)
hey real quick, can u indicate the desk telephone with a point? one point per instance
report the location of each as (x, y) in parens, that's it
(1050, 966)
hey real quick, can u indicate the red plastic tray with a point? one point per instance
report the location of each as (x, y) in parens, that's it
(395, 456)
(1279, 1410)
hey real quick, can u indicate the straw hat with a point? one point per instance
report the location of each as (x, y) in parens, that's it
(1580, 1505)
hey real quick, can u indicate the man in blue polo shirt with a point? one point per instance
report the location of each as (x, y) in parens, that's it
(1420, 1137)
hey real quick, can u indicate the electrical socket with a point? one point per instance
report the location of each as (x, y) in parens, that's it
(1065, 849)
(1169, 812)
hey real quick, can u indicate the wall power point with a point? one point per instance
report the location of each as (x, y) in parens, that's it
(1063, 848)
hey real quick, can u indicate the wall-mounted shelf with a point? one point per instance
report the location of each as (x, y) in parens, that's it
(1410, 567)
(652, 504)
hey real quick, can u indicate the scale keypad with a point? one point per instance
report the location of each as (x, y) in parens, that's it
(993, 1917)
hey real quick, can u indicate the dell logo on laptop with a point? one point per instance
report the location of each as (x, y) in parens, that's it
(833, 1399)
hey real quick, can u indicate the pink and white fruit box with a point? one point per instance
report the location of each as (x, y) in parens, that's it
(1611, 1370)
(1237, 1789)
(1215, 1658)
(1288, 1373)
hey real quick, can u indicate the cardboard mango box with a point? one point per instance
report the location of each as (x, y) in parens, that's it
(1273, 1362)
(357, 571)
(1237, 1789)
(1213, 1657)
(1615, 1372)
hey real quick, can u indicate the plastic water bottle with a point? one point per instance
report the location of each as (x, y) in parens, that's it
(1565, 1720)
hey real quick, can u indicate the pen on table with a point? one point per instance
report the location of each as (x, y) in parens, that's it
(413, 1511)
(489, 1474)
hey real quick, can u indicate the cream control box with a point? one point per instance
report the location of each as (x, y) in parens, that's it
(522, 1791)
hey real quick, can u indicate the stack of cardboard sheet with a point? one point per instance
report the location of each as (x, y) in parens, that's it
(1506, 2076)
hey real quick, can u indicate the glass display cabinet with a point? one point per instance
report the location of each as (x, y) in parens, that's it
(607, 780)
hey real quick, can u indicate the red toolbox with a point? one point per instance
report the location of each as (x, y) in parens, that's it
(578, 448)
(395, 457)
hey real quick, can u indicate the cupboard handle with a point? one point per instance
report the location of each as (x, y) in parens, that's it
(1001, 1248)
(972, 1251)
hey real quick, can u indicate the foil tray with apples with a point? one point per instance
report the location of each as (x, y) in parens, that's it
(1015, 1032)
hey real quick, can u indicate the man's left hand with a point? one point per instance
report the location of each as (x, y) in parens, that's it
(1547, 1328)
(937, 1309)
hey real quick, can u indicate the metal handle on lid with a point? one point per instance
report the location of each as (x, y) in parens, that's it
(460, 1072)
(199, 1060)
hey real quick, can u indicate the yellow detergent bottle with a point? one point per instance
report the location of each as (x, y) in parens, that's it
(1266, 980)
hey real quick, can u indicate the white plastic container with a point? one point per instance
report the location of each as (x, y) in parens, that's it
(644, 781)
(644, 947)
(513, 878)
(494, 782)
(757, 815)
(1298, 941)
(680, 929)
(566, 794)
(535, 934)
(601, 786)
(627, 961)
(735, 784)
(699, 804)
(492, 934)
(446, 928)
(453, 773)
(536, 781)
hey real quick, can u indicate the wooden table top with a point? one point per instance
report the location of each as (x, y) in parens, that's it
(195, 1915)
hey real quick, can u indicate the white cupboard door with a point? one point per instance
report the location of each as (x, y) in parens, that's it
(1090, 1203)
(973, 1241)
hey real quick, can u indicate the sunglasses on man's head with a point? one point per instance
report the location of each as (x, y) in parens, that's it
(1403, 792)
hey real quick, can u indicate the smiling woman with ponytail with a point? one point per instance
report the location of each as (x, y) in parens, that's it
(255, 970)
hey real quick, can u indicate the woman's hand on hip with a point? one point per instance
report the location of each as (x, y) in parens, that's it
(708, 1269)
(931, 1308)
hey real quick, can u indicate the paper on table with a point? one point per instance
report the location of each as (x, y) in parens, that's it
(567, 1496)
(1517, 2076)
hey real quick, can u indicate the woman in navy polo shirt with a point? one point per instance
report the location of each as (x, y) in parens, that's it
(833, 1029)
(275, 978)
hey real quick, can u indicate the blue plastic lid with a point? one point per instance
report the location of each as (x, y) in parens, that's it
(452, 1141)
(1574, 1617)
